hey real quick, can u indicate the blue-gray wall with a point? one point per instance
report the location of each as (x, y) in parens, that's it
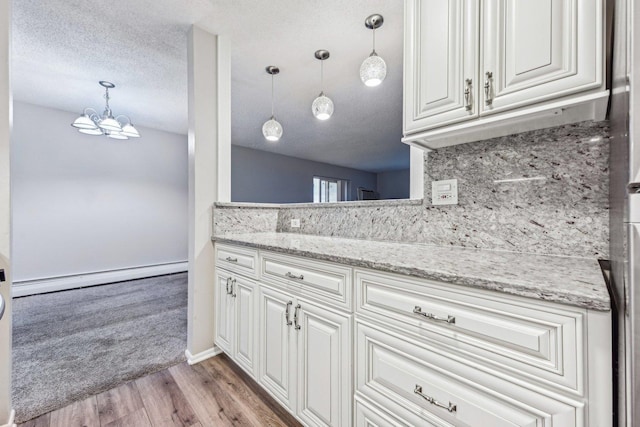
(262, 177)
(394, 184)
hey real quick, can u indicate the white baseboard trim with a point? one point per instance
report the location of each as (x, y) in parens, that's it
(192, 359)
(40, 286)
(12, 417)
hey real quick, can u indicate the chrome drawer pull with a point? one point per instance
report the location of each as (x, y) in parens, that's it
(231, 259)
(295, 317)
(288, 312)
(290, 275)
(418, 310)
(450, 407)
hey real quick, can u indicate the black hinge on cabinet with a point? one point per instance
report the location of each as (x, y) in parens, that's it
(2, 276)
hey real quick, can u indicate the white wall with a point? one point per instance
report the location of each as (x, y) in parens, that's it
(264, 177)
(85, 204)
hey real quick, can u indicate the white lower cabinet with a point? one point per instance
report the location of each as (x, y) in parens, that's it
(305, 357)
(235, 318)
(343, 346)
(442, 390)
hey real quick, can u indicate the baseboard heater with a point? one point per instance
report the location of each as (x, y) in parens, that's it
(39, 286)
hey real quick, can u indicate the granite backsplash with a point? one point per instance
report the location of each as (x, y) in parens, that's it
(542, 192)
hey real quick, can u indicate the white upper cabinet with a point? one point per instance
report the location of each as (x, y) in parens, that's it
(535, 50)
(442, 65)
(481, 69)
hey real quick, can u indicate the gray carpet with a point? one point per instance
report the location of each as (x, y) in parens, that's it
(73, 344)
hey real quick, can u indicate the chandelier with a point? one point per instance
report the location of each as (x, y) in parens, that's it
(90, 123)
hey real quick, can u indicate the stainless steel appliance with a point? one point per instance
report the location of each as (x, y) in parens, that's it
(624, 193)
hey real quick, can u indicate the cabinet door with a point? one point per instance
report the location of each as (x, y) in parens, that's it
(441, 62)
(224, 312)
(536, 50)
(324, 366)
(244, 292)
(277, 346)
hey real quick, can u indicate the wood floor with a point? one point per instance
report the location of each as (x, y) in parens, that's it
(213, 393)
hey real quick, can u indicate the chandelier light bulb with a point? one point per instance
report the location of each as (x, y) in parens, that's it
(90, 123)
(272, 129)
(373, 69)
(322, 106)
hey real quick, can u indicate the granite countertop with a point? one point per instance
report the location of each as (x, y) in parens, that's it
(565, 280)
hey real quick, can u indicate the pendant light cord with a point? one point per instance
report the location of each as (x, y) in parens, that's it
(322, 76)
(374, 39)
(271, 95)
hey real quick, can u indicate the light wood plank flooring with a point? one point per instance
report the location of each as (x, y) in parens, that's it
(213, 393)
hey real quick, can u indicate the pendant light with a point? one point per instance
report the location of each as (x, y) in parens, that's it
(322, 106)
(271, 129)
(373, 69)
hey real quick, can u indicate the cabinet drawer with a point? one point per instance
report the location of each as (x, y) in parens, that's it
(327, 282)
(370, 415)
(241, 260)
(523, 337)
(404, 376)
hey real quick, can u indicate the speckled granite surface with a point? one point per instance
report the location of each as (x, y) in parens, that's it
(565, 280)
(244, 219)
(563, 212)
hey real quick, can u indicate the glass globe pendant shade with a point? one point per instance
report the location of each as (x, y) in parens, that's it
(373, 70)
(322, 107)
(95, 131)
(272, 130)
(84, 122)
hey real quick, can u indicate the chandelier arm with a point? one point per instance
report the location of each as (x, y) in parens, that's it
(125, 116)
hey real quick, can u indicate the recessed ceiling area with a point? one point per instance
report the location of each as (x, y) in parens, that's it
(62, 48)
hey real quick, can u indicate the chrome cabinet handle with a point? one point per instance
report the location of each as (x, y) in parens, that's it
(1, 306)
(287, 313)
(488, 99)
(290, 275)
(228, 280)
(231, 259)
(418, 310)
(233, 284)
(467, 95)
(295, 317)
(450, 407)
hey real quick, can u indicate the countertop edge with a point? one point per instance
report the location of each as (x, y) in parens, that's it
(558, 297)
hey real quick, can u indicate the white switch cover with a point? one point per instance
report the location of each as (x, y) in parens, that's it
(295, 223)
(444, 192)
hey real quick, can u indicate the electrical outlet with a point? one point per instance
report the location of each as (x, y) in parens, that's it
(295, 223)
(444, 192)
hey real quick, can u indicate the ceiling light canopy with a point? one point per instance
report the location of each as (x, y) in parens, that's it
(90, 123)
(272, 129)
(322, 106)
(373, 69)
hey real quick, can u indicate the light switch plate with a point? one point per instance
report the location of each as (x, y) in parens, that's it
(295, 223)
(444, 192)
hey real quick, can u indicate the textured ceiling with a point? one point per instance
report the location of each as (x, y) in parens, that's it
(63, 47)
